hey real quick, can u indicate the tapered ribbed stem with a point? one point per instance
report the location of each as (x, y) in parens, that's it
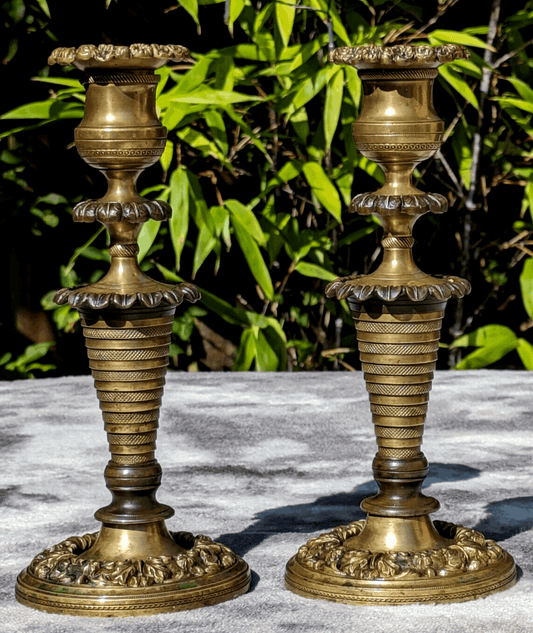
(398, 346)
(128, 354)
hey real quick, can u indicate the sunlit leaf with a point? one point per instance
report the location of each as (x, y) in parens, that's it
(332, 107)
(179, 201)
(235, 9)
(146, 238)
(197, 140)
(527, 106)
(459, 84)
(265, 357)
(323, 188)
(218, 129)
(263, 16)
(312, 270)
(167, 155)
(454, 37)
(488, 355)
(49, 109)
(246, 217)
(329, 12)
(526, 286)
(205, 243)
(525, 351)
(353, 84)
(245, 354)
(486, 336)
(285, 13)
(191, 6)
(60, 81)
(213, 97)
(523, 89)
(253, 256)
(44, 7)
(309, 88)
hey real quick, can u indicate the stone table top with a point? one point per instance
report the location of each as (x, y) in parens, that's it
(262, 462)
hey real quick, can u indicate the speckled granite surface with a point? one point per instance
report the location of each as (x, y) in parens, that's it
(262, 462)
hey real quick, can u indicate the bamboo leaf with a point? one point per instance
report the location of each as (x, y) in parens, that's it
(246, 351)
(146, 238)
(511, 102)
(354, 85)
(455, 37)
(332, 107)
(213, 97)
(523, 89)
(285, 13)
(309, 88)
(218, 129)
(487, 335)
(526, 286)
(290, 170)
(197, 140)
(525, 351)
(167, 155)
(235, 9)
(265, 357)
(44, 7)
(179, 201)
(488, 355)
(253, 256)
(314, 271)
(205, 244)
(323, 188)
(191, 6)
(262, 17)
(329, 11)
(60, 81)
(459, 84)
(246, 217)
(50, 109)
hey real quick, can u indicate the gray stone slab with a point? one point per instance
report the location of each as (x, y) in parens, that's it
(262, 462)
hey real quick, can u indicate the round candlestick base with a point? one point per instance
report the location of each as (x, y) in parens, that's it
(62, 580)
(328, 568)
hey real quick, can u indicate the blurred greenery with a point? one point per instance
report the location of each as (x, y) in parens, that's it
(259, 168)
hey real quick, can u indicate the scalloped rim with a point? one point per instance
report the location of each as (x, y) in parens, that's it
(134, 212)
(402, 55)
(367, 203)
(82, 297)
(355, 286)
(105, 53)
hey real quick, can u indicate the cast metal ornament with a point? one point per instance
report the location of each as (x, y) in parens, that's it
(134, 565)
(398, 555)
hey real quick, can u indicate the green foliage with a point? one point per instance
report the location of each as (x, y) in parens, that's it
(493, 342)
(25, 365)
(260, 166)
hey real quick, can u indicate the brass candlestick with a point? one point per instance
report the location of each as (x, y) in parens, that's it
(398, 555)
(134, 566)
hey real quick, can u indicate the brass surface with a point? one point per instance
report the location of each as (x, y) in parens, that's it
(398, 555)
(134, 565)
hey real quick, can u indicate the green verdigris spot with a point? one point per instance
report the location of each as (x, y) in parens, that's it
(188, 585)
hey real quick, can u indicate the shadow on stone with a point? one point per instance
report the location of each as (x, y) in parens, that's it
(507, 518)
(326, 512)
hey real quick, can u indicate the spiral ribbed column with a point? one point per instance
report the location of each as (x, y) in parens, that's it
(128, 354)
(398, 347)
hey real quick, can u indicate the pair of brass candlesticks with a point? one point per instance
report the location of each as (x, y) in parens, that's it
(134, 566)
